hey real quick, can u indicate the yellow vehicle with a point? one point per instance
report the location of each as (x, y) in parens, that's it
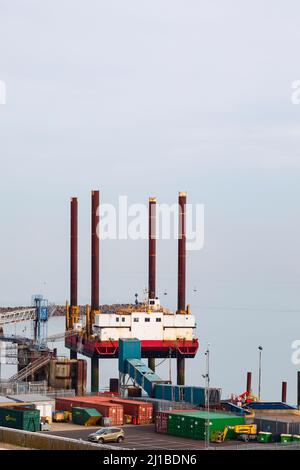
(246, 432)
(107, 435)
(243, 432)
(219, 436)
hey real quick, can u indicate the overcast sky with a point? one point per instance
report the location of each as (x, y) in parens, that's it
(144, 98)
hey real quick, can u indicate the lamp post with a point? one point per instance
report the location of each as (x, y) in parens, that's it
(170, 365)
(207, 377)
(260, 349)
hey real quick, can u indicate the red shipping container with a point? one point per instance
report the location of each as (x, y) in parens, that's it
(161, 421)
(106, 408)
(141, 412)
(96, 399)
(65, 404)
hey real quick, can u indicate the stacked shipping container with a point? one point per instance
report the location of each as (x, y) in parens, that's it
(141, 412)
(101, 404)
(193, 424)
(181, 393)
(114, 408)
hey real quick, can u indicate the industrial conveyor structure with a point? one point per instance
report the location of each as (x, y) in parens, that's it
(130, 364)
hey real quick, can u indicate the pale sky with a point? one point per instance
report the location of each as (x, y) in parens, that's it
(143, 98)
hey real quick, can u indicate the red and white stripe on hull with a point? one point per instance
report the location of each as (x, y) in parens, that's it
(110, 349)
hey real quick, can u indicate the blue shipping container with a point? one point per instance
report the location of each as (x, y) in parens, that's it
(128, 349)
(164, 392)
(195, 395)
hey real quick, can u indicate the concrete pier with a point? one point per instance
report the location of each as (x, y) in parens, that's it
(180, 370)
(151, 363)
(94, 374)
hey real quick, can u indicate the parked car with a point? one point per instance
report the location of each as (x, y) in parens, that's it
(107, 435)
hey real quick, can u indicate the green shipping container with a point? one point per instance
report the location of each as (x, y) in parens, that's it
(264, 437)
(86, 416)
(20, 418)
(286, 438)
(193, 424)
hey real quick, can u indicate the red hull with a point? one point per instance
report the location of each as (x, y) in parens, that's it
(110, 349)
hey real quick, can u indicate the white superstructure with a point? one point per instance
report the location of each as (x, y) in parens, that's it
(154, 323)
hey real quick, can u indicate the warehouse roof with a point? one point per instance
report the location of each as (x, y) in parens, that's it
(6, 400)
(29, 398)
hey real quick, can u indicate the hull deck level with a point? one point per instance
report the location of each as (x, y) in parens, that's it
(150, 348)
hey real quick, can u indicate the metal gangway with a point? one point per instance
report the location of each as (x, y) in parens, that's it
(16, 316)
(17, 339)
(30, 342)
(60, 336)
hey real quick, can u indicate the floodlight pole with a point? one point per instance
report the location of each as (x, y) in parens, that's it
(260, 349)
(207, 375)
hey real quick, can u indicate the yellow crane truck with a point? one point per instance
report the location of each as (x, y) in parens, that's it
(243, 432)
